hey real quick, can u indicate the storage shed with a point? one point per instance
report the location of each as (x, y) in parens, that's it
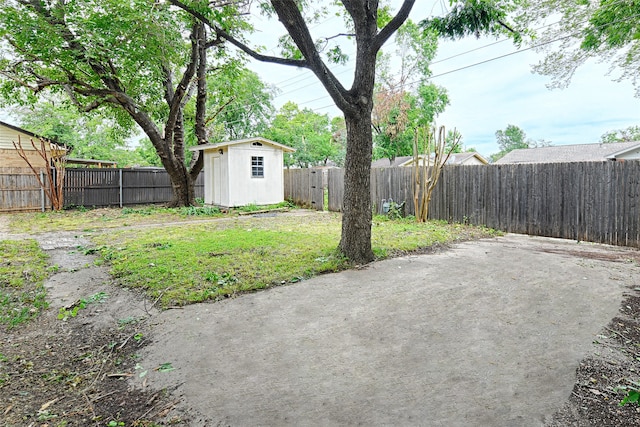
(243, 172)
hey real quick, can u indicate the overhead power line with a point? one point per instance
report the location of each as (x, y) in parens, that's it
(472, 65)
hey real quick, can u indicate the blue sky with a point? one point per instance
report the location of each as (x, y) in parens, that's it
(487, 97)
(484, 98)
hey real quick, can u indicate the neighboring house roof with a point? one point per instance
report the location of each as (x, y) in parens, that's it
(571, 153)
(386, 163)
(206, 147)
(632, 152)
(466, 158)
(454, 159)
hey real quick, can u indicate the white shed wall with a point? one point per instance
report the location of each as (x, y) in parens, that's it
(216, 178)
(243, 188)
(228, 178)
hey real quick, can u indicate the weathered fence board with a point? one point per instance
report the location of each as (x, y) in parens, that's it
(20, 191)
(591, 201)
(120, 187)
(304, 187)
(335, 187)
(92, 187)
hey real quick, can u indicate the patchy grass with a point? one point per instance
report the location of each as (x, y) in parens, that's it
(190, 263)
(95, 219)
(23, 269)
(83, 219)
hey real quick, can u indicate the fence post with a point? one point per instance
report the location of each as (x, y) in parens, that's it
(42, 196)
(120, 176)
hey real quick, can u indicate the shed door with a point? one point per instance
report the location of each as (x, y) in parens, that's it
(216, 187)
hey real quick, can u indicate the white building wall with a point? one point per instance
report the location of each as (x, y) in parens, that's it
(245, 189)
(472, 161)
(221, 178)
(630, 155)
(208, 180)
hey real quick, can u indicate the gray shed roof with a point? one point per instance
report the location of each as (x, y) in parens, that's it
(568, 153)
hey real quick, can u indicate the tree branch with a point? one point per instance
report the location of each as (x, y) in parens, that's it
(293, 21)
(220, 32)
(197, 162)
(175, 103)
(393, 25)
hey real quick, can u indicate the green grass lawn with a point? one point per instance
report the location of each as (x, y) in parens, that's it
(187, 263)
(82, 219)
(23, 269)
(178, 260)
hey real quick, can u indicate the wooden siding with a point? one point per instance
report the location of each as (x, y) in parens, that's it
(11, 159)
(8, 135)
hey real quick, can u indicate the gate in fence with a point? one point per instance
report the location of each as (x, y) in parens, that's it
(305, 187)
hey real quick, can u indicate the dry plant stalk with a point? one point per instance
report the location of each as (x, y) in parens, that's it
(54, 181)
(427, 170)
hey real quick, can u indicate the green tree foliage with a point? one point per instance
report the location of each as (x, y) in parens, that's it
(632, 133)
(606, 30)
(513, 138)
(362, 29)
(145, 151)
(239, 104)
(86, 136)
(137, 61)
(474, 18)
(398, 109)
(453, 142)
(308, 132)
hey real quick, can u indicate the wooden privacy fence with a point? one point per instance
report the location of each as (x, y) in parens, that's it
(120, 187)
(591, 201)
(304, 187)
(20, 191)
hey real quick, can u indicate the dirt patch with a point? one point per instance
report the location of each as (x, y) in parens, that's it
(485, 333)
(59, 372)
(108, 362)
(614, 362)
(74, 372)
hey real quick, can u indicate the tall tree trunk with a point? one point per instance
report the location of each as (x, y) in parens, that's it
(355, 103)
(182, 184)
(355, 242)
